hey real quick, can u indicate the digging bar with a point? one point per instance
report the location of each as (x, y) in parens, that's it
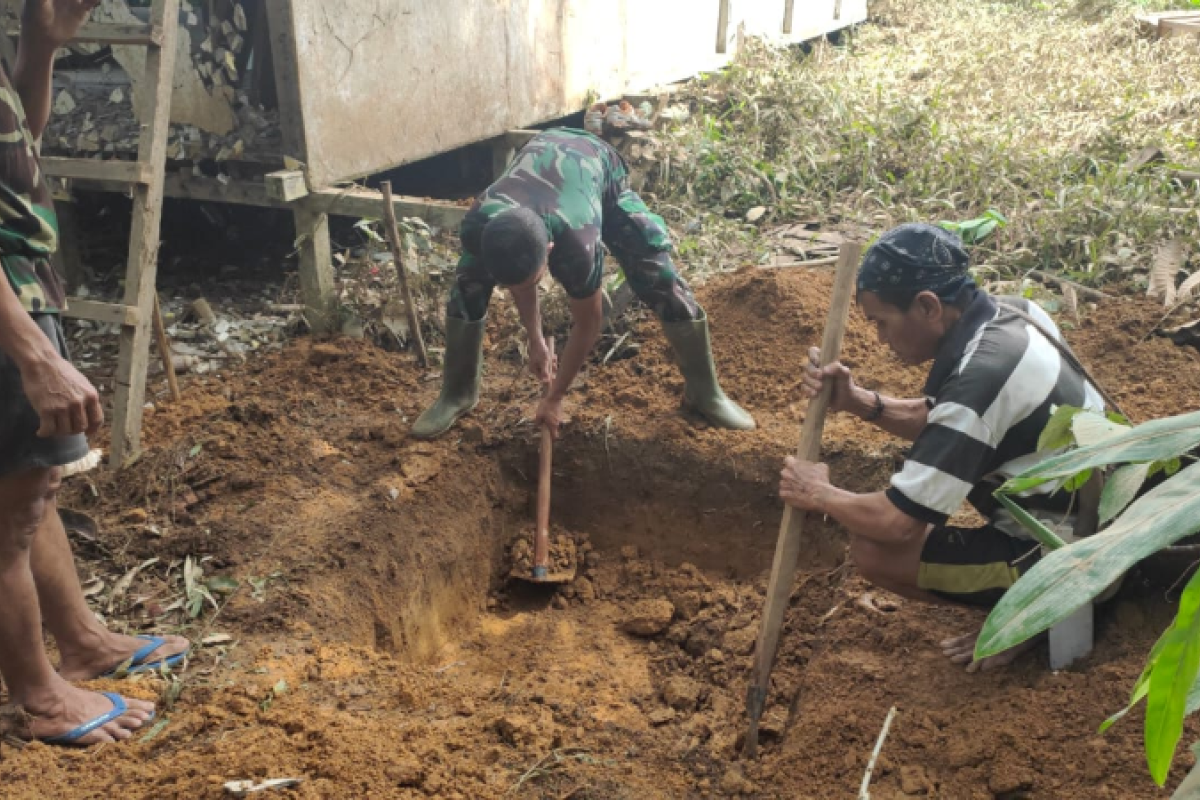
(791, 529)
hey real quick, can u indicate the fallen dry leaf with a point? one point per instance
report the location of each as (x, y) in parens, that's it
(1167, 262)
(1189, 288)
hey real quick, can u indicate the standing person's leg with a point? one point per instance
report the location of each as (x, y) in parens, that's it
(640, 241)
(88, 649)
(462, 367)
(55, 706)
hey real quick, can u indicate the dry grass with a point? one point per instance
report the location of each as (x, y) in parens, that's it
(940, 110)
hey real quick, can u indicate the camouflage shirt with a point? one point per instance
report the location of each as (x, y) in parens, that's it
(569, 177)
(28, 227)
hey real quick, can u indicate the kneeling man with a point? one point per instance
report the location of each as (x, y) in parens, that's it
(992, 387)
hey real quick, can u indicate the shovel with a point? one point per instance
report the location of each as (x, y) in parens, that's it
(542, 572)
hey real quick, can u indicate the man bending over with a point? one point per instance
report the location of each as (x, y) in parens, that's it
(565, 193)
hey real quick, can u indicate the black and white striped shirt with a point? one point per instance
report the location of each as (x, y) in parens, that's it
(994, 384)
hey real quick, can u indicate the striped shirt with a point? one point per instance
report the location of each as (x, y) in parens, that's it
(993, 387)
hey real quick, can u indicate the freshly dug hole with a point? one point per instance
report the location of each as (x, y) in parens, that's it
(678, 505)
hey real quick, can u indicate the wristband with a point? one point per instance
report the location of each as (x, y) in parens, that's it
(877, 411)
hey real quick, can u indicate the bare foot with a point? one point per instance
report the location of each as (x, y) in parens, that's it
(65, 708)
(961, 650)
(108, 651)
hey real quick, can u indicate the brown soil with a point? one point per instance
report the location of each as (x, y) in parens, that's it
(377, 651)
(564, 554)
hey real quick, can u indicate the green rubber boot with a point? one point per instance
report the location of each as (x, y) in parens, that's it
(703, 394)
(460, 378)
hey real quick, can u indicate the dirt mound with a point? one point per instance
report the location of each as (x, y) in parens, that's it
(1147, 374)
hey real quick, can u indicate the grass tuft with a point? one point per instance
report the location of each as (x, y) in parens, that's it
(941, 110)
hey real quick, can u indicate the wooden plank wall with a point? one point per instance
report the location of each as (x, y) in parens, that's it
(386, 82)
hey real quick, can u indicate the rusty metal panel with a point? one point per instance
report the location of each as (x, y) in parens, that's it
(386, 82)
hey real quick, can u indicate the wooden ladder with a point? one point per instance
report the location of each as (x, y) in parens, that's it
(144, 179)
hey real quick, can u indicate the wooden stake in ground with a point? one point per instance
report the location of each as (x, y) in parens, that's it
(791, 529)
(164, 350)
(393, 234)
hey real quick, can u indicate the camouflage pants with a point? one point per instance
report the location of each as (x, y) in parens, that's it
(641, 244)
(637, 238)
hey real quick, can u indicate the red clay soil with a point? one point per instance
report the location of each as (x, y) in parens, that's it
(376, 651)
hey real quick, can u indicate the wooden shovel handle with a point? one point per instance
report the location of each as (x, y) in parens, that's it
(541, 541)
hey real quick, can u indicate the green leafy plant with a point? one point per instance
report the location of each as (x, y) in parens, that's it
(974, 231)
(1071, 575)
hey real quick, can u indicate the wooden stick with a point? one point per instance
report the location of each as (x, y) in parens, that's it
(541, 537)
(812, 262)
(393, 234)
(1095, 295)
(722, 25)
(541, 533)
(164, 350)
(864, 792)
(787, 548)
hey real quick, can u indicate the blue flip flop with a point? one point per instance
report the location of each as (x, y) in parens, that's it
(138, 663)
(72, 737)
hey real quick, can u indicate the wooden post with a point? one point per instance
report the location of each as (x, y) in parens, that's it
(410, 308)
(143, 238)
(312, 225)
(789, 7)
(791, 529)
(164, 350)
(723, 26)
(316, 268)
